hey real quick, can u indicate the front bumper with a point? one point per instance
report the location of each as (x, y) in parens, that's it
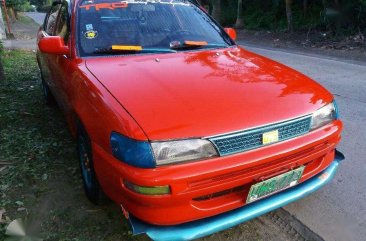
(210, 187)
(204, 227)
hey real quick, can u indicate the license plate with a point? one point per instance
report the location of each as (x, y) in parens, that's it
(274, 184)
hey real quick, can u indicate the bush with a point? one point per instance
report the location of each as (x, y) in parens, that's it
(348, 17)
(44, 9)
(229, 11)
(26, 7)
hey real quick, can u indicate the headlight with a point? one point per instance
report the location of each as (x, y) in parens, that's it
(182, 150)
(133, 152)
(324, 115)
(144, 154)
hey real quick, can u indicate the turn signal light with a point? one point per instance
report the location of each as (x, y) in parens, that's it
(155, 190)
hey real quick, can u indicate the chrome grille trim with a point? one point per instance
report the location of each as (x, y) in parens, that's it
(245, 140)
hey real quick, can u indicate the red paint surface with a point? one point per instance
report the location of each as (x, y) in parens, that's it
(191, 94)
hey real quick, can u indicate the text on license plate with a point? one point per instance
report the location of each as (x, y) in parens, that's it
(274, 184)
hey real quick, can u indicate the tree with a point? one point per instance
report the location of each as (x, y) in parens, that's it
(240, 15)
(216, 9)
(14, 6)
(289, 15)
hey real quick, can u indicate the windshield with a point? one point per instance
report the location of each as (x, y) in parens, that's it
(108, 27)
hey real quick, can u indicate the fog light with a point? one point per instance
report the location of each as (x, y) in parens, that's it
(156, 190)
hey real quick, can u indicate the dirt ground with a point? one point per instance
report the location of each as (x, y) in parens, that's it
(350, 47)
(25, 28)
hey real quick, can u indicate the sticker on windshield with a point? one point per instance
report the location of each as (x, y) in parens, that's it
(110, 6)
(195, 43)
(89, 27)
(127, 47)
(91, 34)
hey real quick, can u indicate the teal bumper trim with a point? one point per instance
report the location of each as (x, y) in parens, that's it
(207, 226)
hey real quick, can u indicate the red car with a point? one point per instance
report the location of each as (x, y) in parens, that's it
(175, 122)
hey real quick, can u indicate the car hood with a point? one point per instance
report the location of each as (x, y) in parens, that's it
(205, 93)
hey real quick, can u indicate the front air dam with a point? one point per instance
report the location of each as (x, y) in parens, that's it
(207, 226)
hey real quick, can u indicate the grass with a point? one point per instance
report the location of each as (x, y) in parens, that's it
(39, 175)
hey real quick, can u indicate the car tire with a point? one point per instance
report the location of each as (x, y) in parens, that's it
(90, 182)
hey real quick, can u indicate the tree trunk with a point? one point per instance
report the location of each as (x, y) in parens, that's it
(289, 15)
(216, 10)
(12, 14)
(240, 16)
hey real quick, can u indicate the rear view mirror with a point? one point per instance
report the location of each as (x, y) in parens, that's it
(53, 45)
(231, 32)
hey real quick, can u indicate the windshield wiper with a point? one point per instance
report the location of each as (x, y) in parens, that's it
(188, 46)
(111, 50)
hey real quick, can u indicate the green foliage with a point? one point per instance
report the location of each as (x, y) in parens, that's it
(42, 5)
(16, 4)
(229, 12)
(44, 8)
(348, 17)
(351, 17)
(26, 7)
(38, 2)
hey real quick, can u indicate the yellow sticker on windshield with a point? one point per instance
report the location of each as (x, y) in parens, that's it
(195, 43)
(91, 34)
(127, 47)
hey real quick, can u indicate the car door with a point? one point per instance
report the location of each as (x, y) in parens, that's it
(60, 64)
(48, 29)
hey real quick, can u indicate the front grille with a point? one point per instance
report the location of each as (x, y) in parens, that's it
(220, 194)
(251, 139)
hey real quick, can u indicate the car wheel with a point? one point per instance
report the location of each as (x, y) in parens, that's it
(90, 181)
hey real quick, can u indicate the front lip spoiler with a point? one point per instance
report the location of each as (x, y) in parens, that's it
(207, 226)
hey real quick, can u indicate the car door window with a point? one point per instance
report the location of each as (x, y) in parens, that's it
(50, 23)
(62, 27)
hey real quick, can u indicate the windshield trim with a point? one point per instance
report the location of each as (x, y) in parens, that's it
(144, 54)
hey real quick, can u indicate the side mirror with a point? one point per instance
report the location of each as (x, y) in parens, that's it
(53, 45)
(231, 32)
